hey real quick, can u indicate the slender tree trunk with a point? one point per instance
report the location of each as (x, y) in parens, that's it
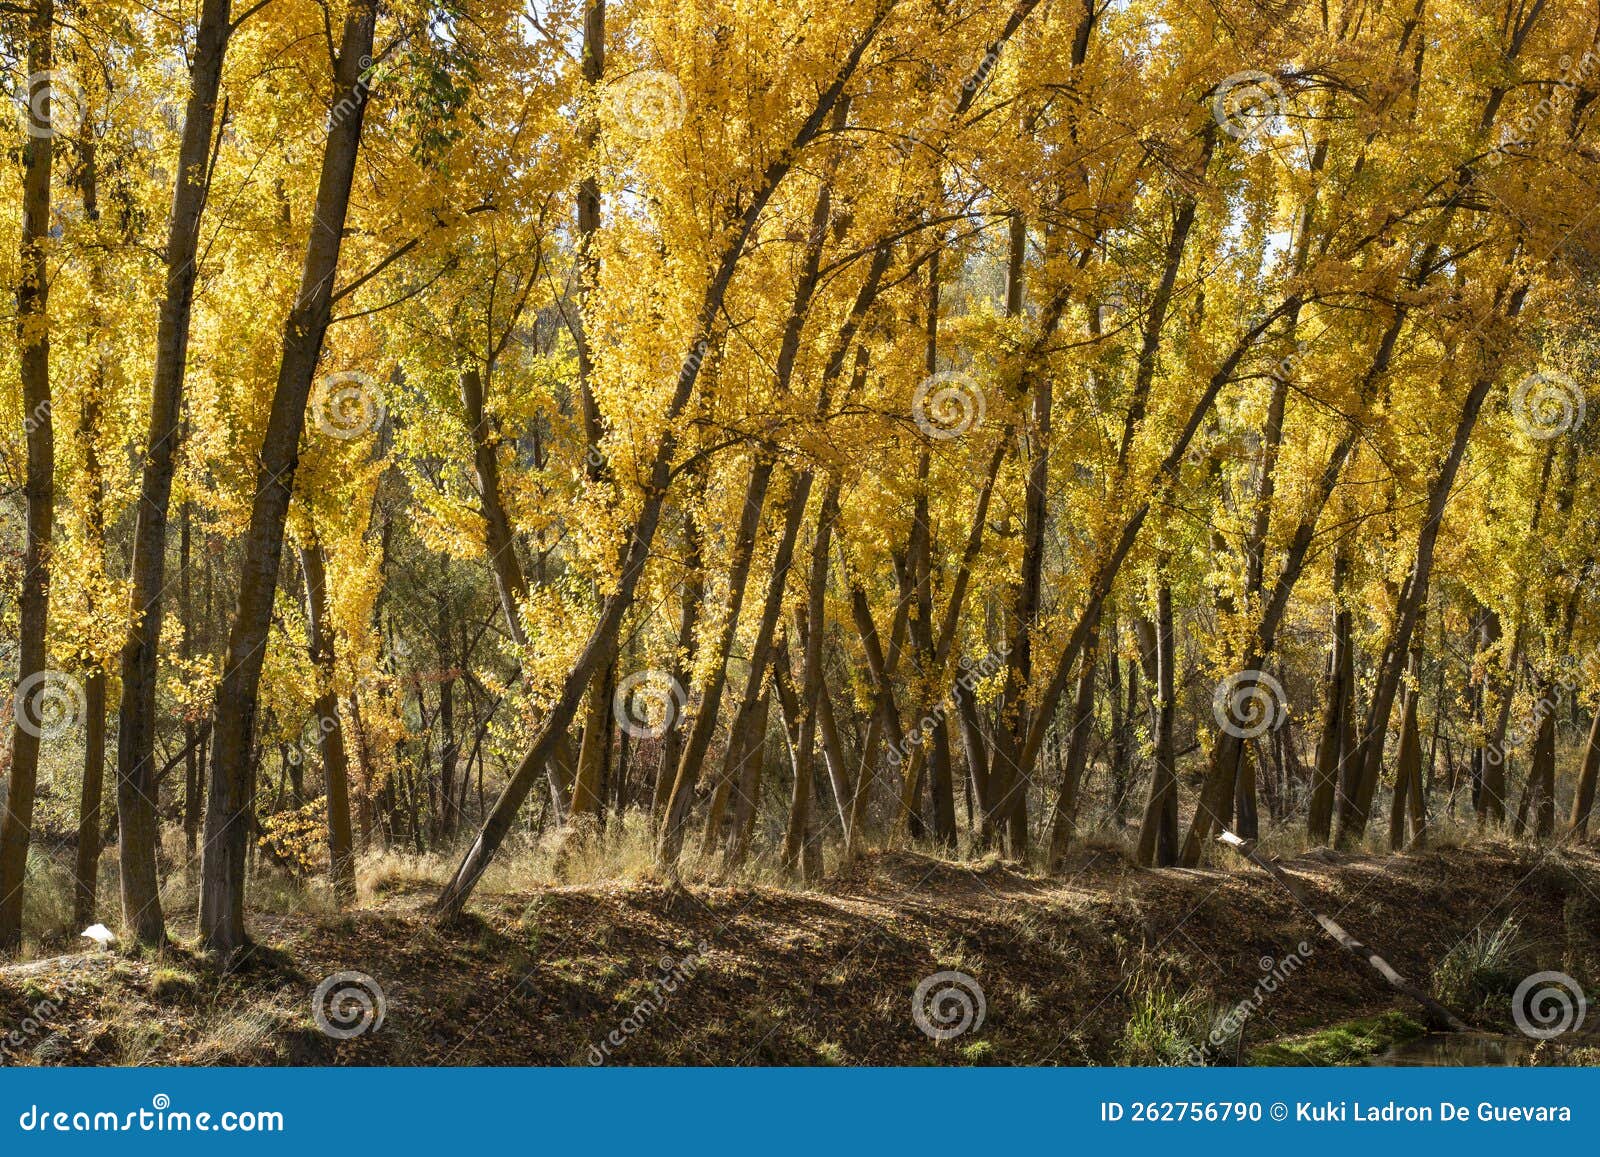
(1337, 696)
(1408, 761)
(1008, 795)
(692, 593)
(330, 730)
(33, 604)
(1542, 770)
(509, 582)
(136, 790)
(1369, 750)
(449, 742)
(747, 734)
(813, 688)
(232, 776)
(1158, 836)
(1064, 819)
(1583, 793)
(839, 779)
(642, 533)
(87, 873)
(885, 721)
(680, 800)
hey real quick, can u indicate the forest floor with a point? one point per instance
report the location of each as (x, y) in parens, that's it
(1106, 963)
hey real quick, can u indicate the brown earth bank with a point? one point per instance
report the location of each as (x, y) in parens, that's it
(1103, 964)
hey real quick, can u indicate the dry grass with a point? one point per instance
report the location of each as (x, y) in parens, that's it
(535, 975)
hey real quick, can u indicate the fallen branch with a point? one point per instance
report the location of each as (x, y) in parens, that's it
(1349, 943)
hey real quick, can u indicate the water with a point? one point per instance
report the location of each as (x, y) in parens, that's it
(1472, 1050)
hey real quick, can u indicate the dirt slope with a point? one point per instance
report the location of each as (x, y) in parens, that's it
(764, 976)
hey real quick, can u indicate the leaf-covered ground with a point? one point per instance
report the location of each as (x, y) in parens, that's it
(738, 975)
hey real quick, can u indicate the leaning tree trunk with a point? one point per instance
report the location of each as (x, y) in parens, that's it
(33, 604)
(136, 720)
(1583, 793)
(642, 533)
(1369, 748)
(231, 801)
(680, 799)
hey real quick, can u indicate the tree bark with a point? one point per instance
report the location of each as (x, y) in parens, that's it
(812, 685)
(232, 789)
(642, 532)
(1583, 792)
(1338, 693)
(1369, 748)
(680, 800)
(33, 604)
(136, 802)
(330, 730)
(692, 596)
(1158, 836)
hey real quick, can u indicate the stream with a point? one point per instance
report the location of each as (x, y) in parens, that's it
(1471, 1050)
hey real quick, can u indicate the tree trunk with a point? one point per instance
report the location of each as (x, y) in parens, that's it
(746, 736)
(87, 872)
(885, 721)
(1008, 778)
(1583, 793)
(1369, 749)
(33, 604)
(813, 689)
(509, 582)
(232, 776)
(1408, 762)
(1337, 697)
(1064, 821)
(642, 533)
(692, 591)
(680, 800)
(330, 730)
(1158, 836)
(136, 790)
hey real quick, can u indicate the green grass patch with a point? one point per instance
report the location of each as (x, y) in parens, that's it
(1343, 1044)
